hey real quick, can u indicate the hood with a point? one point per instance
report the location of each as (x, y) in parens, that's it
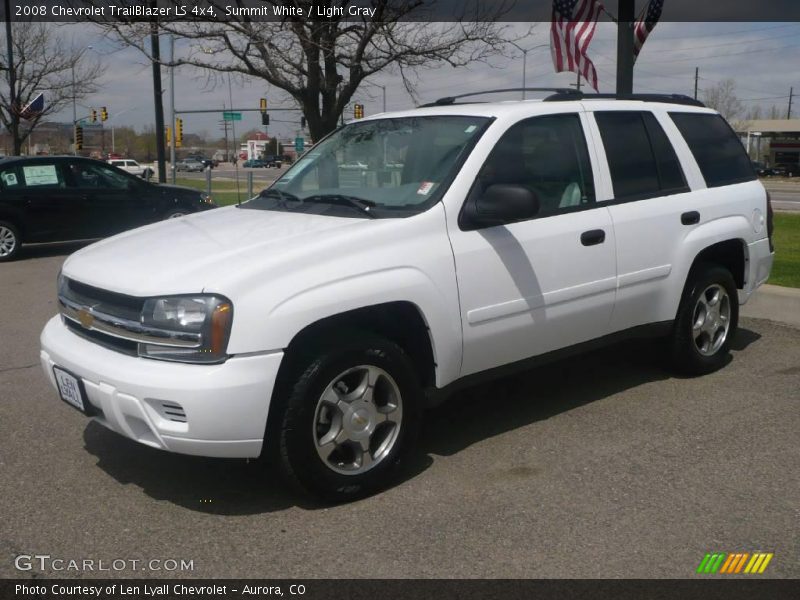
(189, 254)
(168, 188)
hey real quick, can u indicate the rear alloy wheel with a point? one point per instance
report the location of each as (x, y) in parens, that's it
(9, 241)
(706, 322)
(350, 418)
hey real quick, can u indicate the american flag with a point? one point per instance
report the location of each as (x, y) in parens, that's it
(645, 25)
(574, 22)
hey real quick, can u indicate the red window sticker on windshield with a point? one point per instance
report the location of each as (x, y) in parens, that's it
(425, 187)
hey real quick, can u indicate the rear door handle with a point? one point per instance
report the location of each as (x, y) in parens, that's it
(593, 237)
(690, 218)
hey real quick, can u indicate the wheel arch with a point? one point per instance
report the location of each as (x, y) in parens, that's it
(731, 254)
(401, 322)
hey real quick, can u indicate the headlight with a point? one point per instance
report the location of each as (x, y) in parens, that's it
(208, 317)
(206, 198)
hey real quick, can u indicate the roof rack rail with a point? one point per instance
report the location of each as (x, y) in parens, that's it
(447, 100)
(670, 98)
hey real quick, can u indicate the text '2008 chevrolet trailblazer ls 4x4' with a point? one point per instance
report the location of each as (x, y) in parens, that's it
(404, 255)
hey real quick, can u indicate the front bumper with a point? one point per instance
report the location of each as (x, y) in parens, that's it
(224, 407)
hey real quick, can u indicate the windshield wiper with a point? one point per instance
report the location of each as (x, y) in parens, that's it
(360, 204)
(275, 193)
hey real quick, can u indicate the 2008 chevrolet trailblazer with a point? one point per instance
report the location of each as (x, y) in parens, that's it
(402, 256)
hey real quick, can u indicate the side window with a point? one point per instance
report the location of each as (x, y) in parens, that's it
(640, 157)
(92, 176)
(42, 175)
(719, 154)
(547, 155)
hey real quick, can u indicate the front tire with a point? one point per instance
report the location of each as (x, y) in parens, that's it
(706, 322)
(351, 418)
(9, 241)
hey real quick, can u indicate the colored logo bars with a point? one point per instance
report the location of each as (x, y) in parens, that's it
(741, 562)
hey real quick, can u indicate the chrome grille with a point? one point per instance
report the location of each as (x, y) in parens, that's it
(113, 319)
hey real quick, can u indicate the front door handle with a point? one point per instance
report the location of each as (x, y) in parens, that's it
(593, 237)
(690, 218)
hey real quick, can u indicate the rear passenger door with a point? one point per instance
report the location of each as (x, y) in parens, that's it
(652, 209)
(113, 198)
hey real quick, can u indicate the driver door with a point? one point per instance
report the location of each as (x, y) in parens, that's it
(533, 286)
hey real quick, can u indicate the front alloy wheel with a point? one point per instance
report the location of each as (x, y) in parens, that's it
(358, 419)
(9, 241)
(346, 415)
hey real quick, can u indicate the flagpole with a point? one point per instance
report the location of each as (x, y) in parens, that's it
(625, 18)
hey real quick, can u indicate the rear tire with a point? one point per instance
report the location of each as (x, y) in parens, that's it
(706, 322)
(10, 241)
(351, 417)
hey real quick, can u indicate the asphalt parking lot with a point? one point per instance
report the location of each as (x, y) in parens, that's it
(603, 465)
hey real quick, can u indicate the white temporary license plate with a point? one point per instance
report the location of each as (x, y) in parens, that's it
(70, 389)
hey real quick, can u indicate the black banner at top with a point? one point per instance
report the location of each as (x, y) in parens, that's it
(379, 10)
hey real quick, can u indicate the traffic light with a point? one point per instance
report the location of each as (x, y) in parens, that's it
(103, 114)
(78, 137)
(168, 132)
(302, 122)
(264, 118)
(178, 130)
(263, 105)
(358, 111)
(94, 116)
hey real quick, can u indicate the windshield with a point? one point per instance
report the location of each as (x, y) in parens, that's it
(378, 168)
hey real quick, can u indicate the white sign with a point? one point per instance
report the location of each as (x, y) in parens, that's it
(40, 175)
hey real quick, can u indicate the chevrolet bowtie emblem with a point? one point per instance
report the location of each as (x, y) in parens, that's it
(86, 318)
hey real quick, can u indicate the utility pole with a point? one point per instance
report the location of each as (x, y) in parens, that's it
(172, 138)
(791, 96)
(384, 98)
(625, 19)
(159, 106)
(696, 77)
(12, 76)
(578, 85)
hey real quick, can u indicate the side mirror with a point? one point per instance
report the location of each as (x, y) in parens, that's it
(500, 204)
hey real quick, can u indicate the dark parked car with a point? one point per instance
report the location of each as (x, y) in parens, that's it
(62, 198)
(207, 162)
(190, 165)
(789, 170)
(272, 160)
(254, 163)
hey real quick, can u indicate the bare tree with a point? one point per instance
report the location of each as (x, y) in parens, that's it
(320, 64)
(43, 63)
(722, 97)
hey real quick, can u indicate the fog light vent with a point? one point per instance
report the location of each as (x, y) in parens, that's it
(172, 411)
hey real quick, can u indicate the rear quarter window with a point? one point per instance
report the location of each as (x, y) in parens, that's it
(719, 153)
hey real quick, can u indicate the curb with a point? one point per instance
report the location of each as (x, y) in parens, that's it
(774, 302)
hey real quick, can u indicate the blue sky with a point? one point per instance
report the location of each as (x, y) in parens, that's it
(761, 57)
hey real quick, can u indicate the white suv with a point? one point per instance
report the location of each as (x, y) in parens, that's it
(313, 322)
(132, 167)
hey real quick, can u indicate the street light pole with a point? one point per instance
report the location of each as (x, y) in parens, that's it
(172, 140)
(524, 71)
(525, 62)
